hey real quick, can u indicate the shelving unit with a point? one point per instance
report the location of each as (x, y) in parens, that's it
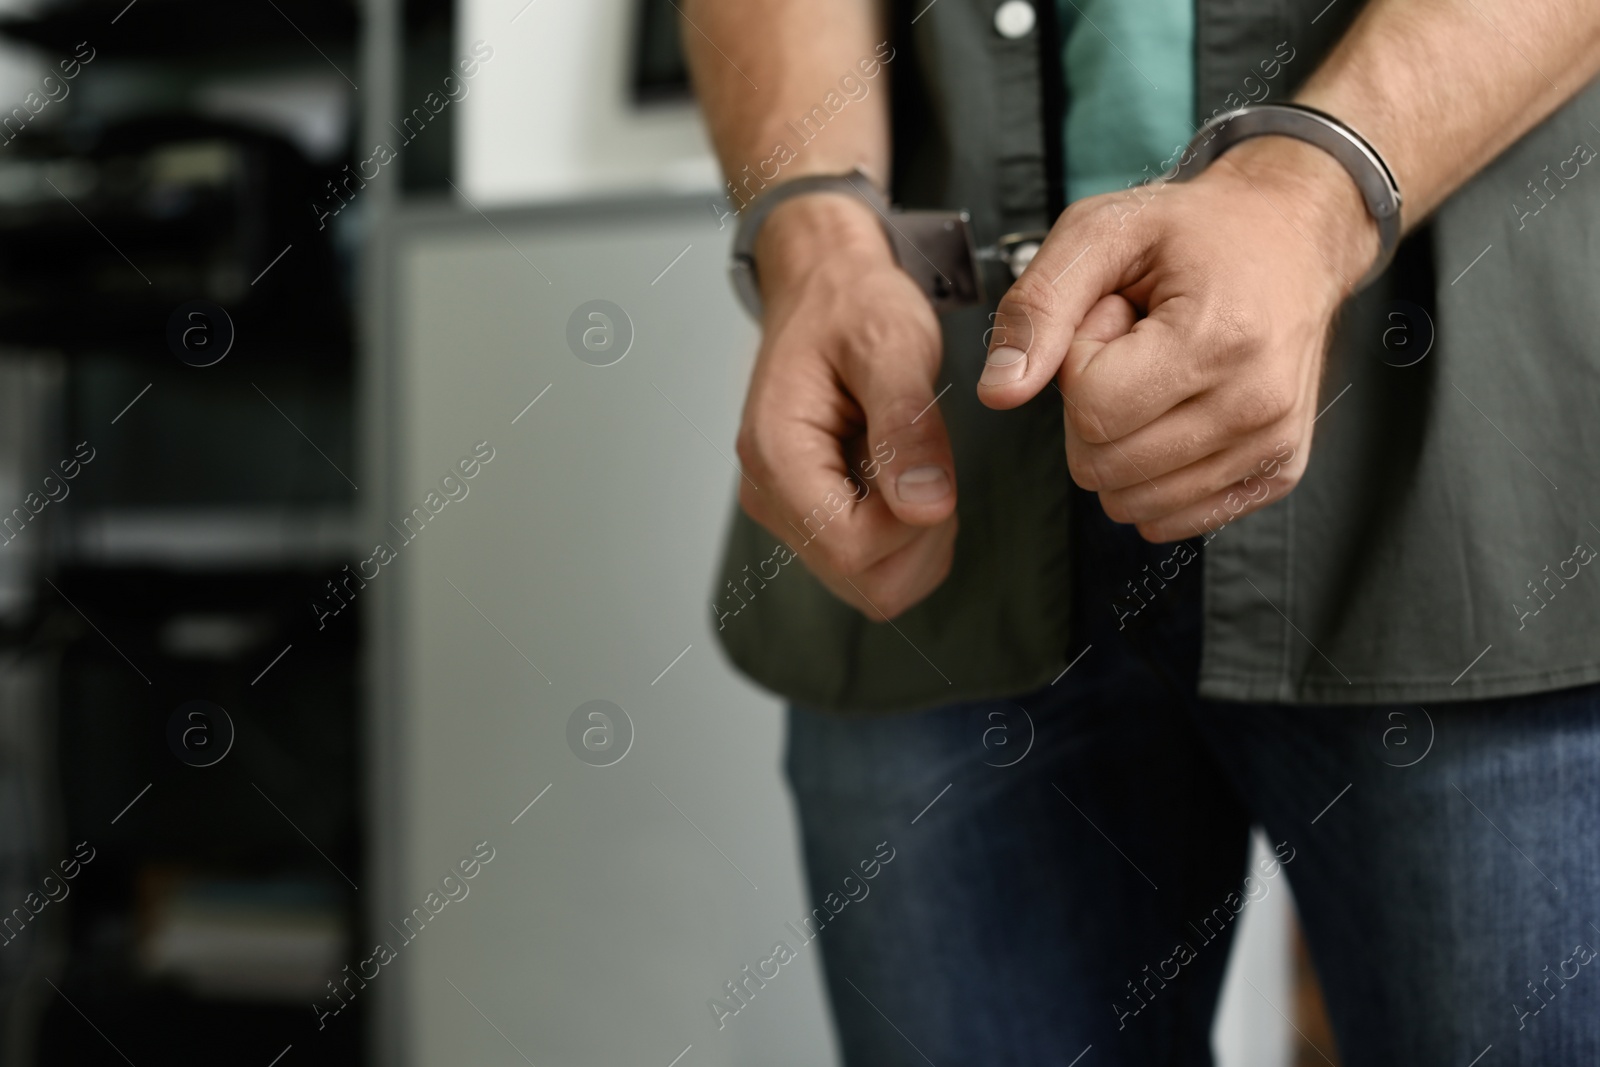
(184, 562)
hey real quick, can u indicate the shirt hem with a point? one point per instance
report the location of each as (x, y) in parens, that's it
(1263, 689)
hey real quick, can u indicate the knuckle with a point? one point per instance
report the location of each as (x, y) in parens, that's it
(907, 416)
(1154, 532)
(1031, 298)
(1236, 326)
(871, 336)
(893, 596)
(757, 441)
(882, 598)
(1095, 213)
(1260, 404)
(901, 330)
(1108, 467)
(845, 557)
(1081, 465)
(891, 603)
(1227, 333)
(1278, 398)
(1118, 508)
(1095, 467)
(744, 446)
(1229, 324)
(1088, 419)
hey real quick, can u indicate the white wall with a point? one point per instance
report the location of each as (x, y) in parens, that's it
(606, 920)
(548, 117)
(1252, 1027)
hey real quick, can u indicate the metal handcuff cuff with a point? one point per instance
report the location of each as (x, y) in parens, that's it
(936, 248)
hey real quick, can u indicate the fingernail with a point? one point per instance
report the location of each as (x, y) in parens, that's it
(1003, 366)
(923, 485)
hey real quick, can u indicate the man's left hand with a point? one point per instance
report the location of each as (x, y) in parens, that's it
(1186, 325)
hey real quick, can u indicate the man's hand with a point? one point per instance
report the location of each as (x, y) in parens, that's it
(1186, 331)
(840, 431)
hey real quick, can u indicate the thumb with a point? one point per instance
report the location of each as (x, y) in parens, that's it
(1089, 254)
(1110, 318)
(906, 451)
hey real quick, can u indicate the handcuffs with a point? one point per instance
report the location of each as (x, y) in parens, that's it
(938, 251)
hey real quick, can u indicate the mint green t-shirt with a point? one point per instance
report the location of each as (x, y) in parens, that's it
(1129, 70)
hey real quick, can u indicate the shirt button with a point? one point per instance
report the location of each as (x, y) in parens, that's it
(1015, 18)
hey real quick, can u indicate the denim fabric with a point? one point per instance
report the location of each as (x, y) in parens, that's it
(1070, 865)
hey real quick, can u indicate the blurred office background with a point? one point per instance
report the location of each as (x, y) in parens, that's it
(240, 347)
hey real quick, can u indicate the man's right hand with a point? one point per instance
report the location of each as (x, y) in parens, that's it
(841, 410)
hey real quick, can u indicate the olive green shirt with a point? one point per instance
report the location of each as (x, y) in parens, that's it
(1438, 546)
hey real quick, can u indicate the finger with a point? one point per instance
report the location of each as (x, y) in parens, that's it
(1099, 467)
(905, 435)
(810, 499)
(1133, 380)
(1194, 430)
(1244, 462)
(1110, 318)
(796, 480)
(901, 580)
(1251, 493)
(1089, 253)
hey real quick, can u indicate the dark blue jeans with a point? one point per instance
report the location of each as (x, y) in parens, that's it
(1069, 866)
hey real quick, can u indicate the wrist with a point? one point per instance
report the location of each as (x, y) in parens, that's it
(1315, 193)
(809, 231)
